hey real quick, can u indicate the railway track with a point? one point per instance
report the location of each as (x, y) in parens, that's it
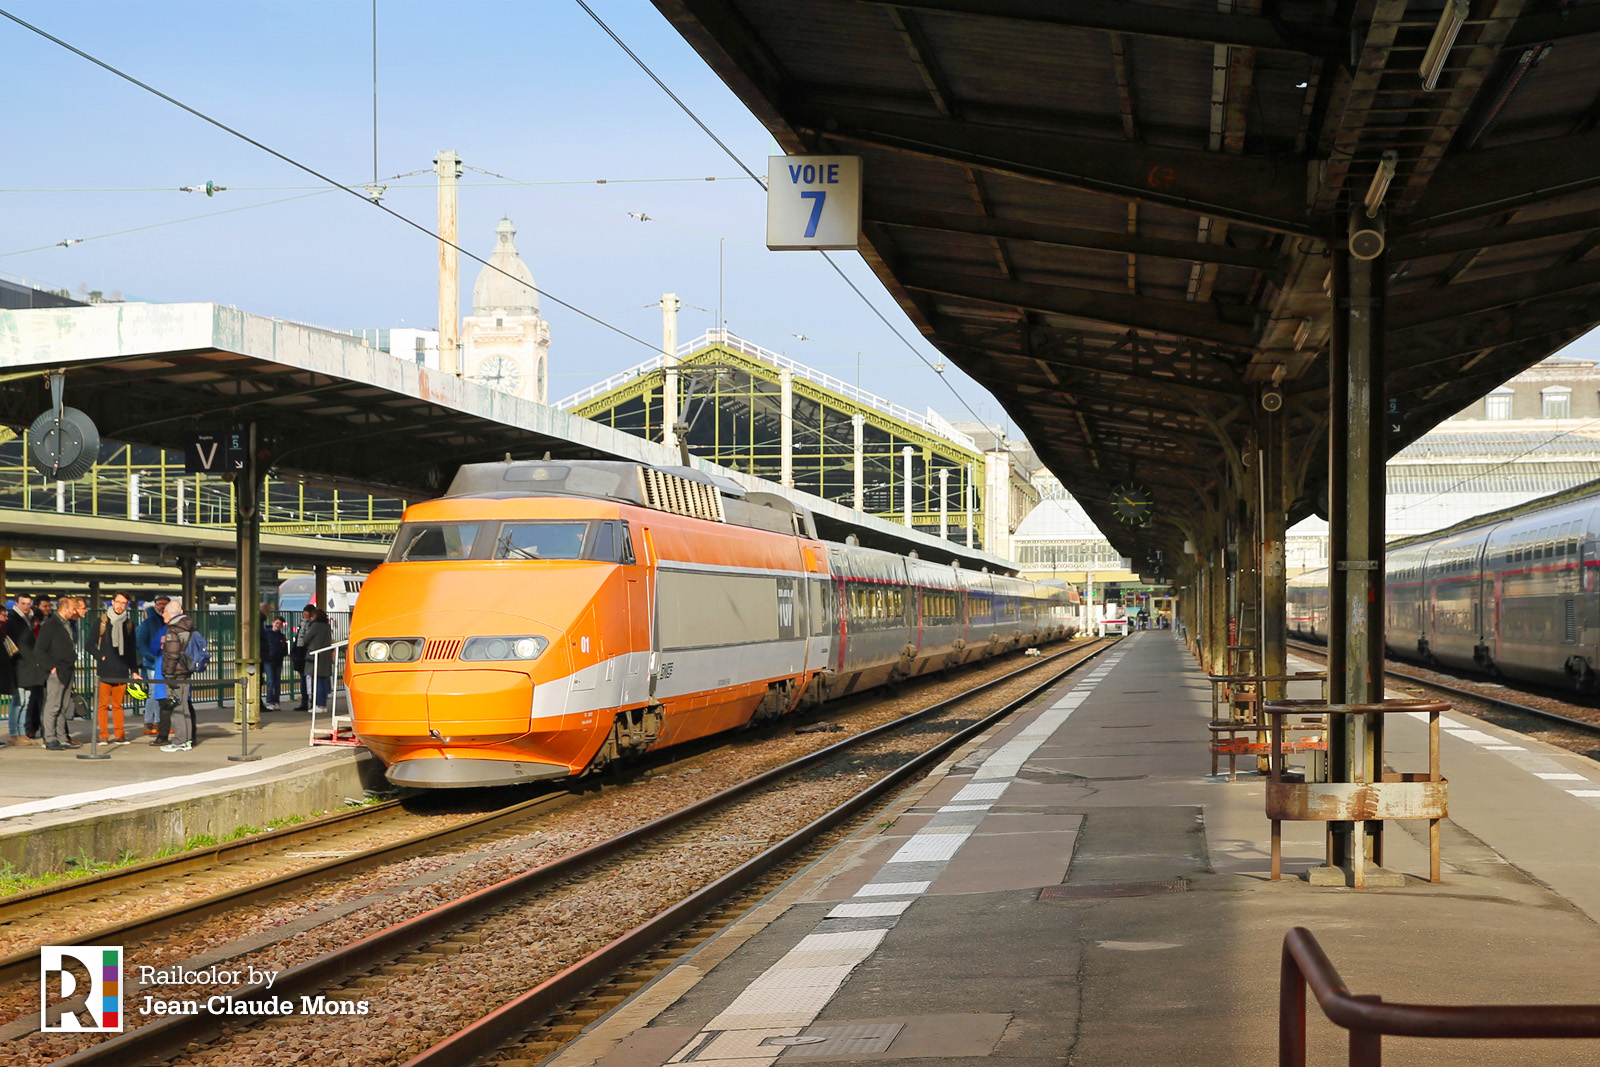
(252, 870)
(1470, 692)
(722, 836)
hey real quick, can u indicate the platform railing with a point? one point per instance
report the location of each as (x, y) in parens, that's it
(1369, 1020)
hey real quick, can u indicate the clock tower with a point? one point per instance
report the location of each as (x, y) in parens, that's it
(505, 343)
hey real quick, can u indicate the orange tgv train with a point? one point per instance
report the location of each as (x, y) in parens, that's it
(544, 619)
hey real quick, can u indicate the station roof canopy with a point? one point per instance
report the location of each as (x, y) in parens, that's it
(1118, 215)
(330, 409)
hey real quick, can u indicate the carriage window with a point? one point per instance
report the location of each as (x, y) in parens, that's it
(540, 540)
(418, 542)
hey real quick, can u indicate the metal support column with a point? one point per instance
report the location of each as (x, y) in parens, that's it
(944, 503)
(1272, 511)
(448, 168)
(669, 362)
(907, 486)
(321, 572)
(247, 586)
(786, 427)
(858, 425)
(189, 587)
(1357, 450)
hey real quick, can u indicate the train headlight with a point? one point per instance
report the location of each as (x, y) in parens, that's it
(389, 650)
(523, 647)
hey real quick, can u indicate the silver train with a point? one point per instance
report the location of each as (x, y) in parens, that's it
(1514, 596)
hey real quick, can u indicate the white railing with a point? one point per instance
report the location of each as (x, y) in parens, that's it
(340, 729)
(930, 421)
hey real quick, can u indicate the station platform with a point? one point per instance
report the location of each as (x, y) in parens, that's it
(57, 810)
(1075, 888)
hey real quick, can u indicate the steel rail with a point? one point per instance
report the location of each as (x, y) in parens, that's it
(1471, 694)
(137, 873)
(1368, 1019)
(25, 964)
(172, 1035)
(490, 1033)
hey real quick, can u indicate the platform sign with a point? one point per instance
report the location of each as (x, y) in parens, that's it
(813, 202)
(217, 453)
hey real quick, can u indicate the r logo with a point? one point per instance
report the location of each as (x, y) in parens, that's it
(80, 988)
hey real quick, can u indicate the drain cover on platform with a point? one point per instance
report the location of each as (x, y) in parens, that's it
(839, 1042)
(1117, 889)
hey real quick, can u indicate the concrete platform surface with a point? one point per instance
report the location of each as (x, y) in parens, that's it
(58, 810)
(1074, 889)
(31, 775)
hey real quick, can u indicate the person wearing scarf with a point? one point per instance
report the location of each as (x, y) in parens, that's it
(116, 653)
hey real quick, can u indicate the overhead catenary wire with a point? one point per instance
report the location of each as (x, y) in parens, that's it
(687, 110)
(224, 127)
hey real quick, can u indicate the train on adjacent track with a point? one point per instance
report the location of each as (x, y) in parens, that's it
(1512, 594)
(544, 619)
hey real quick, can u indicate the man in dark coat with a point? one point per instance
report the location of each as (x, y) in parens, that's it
(319, 638)
(116, 656)
(148, 638)
(42, 609)
(176, 669)
(274, 650)
(57, 653)
(20, 668)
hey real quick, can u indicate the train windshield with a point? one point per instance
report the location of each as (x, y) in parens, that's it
(540, 540)
(433, 541)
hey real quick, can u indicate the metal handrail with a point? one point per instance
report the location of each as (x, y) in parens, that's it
(312, 658)
(1368, 1019)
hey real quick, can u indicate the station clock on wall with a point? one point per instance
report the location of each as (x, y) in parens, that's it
(1132, 503)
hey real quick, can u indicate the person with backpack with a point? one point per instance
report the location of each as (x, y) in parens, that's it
(177, 667)
(319, 638)
(148, 638)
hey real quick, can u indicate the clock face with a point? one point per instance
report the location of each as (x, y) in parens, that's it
(1133, 504)
(500, 372)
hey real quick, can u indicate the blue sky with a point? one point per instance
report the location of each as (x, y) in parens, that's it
(533, 91)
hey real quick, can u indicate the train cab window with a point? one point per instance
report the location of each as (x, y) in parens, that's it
(624, 543)
(419, 542)
(540, 540)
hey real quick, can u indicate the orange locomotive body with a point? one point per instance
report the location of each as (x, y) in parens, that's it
(545, 619)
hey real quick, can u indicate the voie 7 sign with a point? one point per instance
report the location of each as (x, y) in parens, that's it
(813, 202)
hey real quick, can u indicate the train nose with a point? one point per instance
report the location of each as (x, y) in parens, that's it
(452, 704)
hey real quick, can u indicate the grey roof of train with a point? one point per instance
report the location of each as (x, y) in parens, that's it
(1522, 447)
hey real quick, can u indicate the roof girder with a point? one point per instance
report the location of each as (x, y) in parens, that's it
(1263, 191)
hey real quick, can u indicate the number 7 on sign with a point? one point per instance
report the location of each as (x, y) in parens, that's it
(818, 197)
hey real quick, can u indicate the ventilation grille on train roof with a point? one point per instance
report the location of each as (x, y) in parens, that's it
(441, 648)
(681, 496)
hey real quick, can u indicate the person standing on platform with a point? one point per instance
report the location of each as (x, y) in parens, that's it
(176, 712)
(148, 638)
(57, 653)
(42, 610)
(18, 642)
(319, 637)
(274, 650)
(116, 653)
(299, 659)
